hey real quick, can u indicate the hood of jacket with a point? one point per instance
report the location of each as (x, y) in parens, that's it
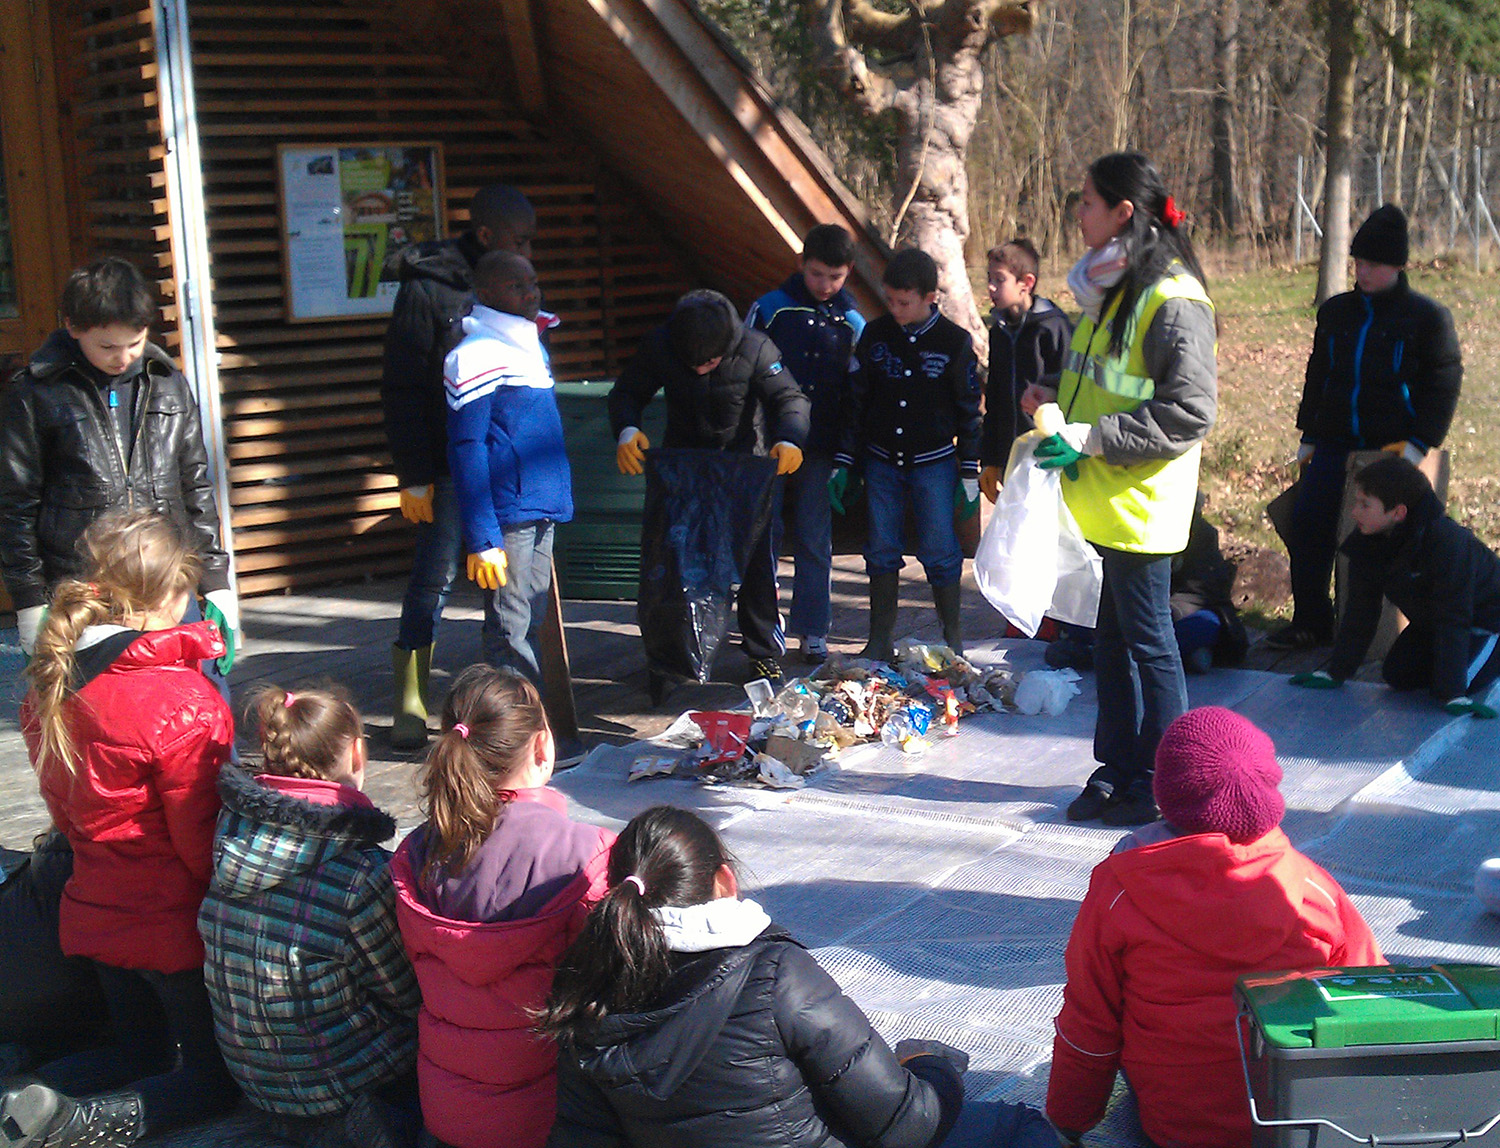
(1041, 308)
(655, 1051)
(60, 353)
(450, 262)
(107, 647)
(839, 302)
(267, 837)
(1237, 904)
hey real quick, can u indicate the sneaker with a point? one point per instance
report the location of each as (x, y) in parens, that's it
(1295, 637)
(1132, 809)
(768, 668)
(814, 650)
(1089, 804)
(1200, 661)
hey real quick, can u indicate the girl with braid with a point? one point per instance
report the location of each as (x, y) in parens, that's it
(314, 1001)
(491, 890)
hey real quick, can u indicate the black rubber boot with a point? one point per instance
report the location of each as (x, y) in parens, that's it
(39, 1117)
(947, 600)
(885, 589)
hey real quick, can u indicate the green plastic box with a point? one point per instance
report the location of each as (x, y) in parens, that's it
(1399, 1054)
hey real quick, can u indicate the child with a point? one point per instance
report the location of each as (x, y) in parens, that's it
(726, 389)
(490, 890)
(1446, 581)
(506, 453)
(1137, 397)
(1168, 926)
(815, 325)
(1028, 338)
(685, 1016)
(315, 1002)
(914, 392)
(1384, 371)
(127, 737)
(101, 420)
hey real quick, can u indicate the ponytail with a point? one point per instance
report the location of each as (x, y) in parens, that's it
(137, 562)
(621, 961)
(489, 720)
(305, 734)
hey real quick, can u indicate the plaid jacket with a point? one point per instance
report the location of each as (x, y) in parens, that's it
(314, 999)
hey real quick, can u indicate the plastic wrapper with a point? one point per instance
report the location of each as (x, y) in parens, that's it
(1047, 691)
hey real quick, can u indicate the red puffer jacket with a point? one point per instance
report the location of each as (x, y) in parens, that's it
(139, 807)
(1161, 937)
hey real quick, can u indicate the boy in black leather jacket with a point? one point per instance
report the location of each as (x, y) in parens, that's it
(101, 420)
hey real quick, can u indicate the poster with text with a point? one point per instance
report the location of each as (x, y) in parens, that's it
(348, 212)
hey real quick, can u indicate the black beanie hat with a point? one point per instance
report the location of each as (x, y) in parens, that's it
(1382, 237)
(702, 327)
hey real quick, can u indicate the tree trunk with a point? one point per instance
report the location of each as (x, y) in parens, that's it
(1226, 97)
(1333, 257)
(1403, 112)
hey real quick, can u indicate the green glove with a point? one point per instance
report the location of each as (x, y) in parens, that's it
(1317, 680)
(212, 612)
(1054, 453)
(966, 499)
(838, 486)
(1458, 707)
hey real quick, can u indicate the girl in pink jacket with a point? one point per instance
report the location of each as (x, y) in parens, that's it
(490, 891)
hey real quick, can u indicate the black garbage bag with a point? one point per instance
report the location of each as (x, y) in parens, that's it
(49, 1004)
(705, 510)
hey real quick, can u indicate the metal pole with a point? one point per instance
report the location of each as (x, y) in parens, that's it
(1297, 220)
(1478, 205)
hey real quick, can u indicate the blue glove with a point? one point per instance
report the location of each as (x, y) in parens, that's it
(838, 486)
(1056, 453)
(1317, 680)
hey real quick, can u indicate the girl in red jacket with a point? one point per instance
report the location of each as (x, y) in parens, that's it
(490, 890)
(127, 737)
(1169, 925)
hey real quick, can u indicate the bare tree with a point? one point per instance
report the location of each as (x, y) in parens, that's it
(925, 64)
(1225, 113)
(1338, 124)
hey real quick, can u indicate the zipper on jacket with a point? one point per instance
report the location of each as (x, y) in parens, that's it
(109, 431)
(1359, 356)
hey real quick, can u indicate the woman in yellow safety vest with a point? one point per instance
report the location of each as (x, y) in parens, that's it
(1136, 397)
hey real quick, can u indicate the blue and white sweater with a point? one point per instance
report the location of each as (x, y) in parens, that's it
(505, 436)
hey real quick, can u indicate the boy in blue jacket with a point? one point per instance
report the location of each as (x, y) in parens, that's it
(814, 324)
(506, 453)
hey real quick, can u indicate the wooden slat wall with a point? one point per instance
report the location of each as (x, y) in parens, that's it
(312, 498)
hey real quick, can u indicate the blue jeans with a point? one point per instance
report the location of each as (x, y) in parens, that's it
(930, 488)
(812, 546)
(513, 614)
(1137, 668)
(1315, 539)
(434, 567)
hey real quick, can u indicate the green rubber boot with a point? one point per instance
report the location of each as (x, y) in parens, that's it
(410, 669)
(946, 599)
(884, 592)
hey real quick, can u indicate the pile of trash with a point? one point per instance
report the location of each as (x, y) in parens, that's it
(791, 734)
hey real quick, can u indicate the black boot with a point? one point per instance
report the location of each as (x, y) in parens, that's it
(885, 589)
(946, 599)
(39, 1117)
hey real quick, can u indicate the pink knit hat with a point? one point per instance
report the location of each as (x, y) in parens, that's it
(1216, 772)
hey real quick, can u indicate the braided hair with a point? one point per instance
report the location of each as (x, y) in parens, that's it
(305, 734)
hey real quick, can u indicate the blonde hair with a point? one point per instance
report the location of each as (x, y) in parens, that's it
(307, 733)
(136, 562)
(489, 719)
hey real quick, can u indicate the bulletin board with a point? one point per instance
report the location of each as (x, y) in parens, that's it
(348, 211)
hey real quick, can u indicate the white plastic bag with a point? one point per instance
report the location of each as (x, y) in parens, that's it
(1047, 691)
(1033, 560)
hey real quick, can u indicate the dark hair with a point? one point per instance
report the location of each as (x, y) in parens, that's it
(829, 243)
(702, 327)
(307, 732)
(1018, 256)
(501, 205)
(107, 292)
(911, 269)
(1152, 244)
(620, 961)
(499, 712)
(1393, 482)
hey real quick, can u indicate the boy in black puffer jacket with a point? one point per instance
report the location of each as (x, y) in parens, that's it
(1384, 373)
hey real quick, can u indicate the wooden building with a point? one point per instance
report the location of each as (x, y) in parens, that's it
(150, 129)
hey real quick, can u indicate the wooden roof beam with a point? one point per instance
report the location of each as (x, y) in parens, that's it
(520, 34)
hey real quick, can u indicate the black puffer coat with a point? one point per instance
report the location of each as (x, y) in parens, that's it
(756, 1048)
(745, 404)
(61, 467)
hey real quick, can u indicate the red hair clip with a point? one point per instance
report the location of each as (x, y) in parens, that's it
(1172, 214)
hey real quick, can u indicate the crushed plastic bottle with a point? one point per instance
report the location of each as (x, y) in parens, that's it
(905, 728)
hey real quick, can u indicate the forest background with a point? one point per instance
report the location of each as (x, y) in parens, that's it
(1227, 98)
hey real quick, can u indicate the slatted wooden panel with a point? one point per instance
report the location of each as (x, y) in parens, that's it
(106, 59)
(312, 496)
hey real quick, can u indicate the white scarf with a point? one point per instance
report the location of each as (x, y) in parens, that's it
(723, 923)
(1093, 276)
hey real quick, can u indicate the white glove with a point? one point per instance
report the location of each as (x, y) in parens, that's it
(29, 622)
(971, 488)
(1413, 454)
(1304, 452)
(626, 435)
(1081, 437)
(228, 604)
